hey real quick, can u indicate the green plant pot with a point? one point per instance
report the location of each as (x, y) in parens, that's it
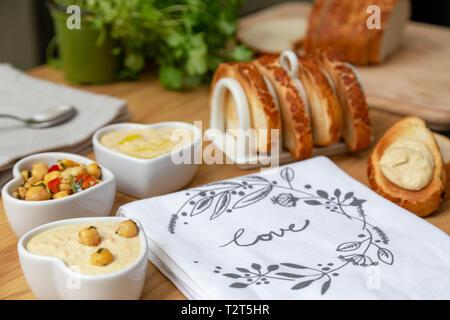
(83, 60)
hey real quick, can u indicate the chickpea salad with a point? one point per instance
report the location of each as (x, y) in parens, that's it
(62, 179)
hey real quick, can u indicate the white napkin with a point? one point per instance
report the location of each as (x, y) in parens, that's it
(24, 96)
(303, 231)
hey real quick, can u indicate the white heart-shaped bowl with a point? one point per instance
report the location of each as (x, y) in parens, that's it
(50, 277)
(143, 178)
(24, 215)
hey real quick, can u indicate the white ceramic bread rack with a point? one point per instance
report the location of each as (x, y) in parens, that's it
(240, 151)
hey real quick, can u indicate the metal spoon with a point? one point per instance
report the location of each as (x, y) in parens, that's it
(51, 117)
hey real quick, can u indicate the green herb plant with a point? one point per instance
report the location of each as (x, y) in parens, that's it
(186, 39)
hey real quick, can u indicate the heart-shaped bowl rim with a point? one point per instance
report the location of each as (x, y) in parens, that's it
(131, 125)
(22, 250)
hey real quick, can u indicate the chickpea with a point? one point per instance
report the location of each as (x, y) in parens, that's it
(94, 170)
(127, 229)
(25, 175)
(101, 257)
(61, 194)
(72, 171)
(22, 191)
(37, 193)
(68, 163)
(51, 176)
(89, 236)
(65, 187)
(39, 170)
(33, 180)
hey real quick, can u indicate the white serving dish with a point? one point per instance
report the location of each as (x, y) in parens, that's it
(143, 178)
(24, 215)
(50, 277)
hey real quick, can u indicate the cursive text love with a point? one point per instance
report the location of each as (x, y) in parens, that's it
(265, 236)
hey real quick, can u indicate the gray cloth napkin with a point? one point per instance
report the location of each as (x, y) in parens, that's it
(24, 96)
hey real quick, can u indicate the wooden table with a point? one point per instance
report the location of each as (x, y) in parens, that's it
(149, 103)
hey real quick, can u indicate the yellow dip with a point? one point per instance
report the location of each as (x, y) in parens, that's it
(147, 143)
(62, 242)
(408, 163)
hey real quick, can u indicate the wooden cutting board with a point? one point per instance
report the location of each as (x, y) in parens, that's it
(414, 81)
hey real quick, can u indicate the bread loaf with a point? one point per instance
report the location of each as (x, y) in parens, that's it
(342, 26)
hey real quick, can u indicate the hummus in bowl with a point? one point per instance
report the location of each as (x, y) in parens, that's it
(149, 159)
(147, 143)
(63, 242)
(57, 266)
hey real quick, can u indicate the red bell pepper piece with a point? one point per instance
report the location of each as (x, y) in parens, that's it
(88, 181)
(53, 185)
(53, 168)
(81, 176)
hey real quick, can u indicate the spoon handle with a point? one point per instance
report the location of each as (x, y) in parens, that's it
(10, 116)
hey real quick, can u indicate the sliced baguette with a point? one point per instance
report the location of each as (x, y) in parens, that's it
(356, 129)
(296, 127)
(326, 113)
(264, 113)
(384, 41)
(424, 201)
(444, 145)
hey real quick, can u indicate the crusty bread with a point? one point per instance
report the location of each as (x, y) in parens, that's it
(326, 113)
(424, 201)
(315, 20)
(353, 39)
(444, 145)
(273, 35)
(356, 129)
(384, 41)
(343, 31)
(296, 127)
(341, 26)
(263, 110)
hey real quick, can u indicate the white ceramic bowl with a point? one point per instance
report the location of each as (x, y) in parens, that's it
(143, 178)
(23, 215)
(50, 277)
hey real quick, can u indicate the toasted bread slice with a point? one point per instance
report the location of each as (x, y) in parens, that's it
(296, 127)
(422, 202)
(356, 129)
(274, 35)
(264, 113)
(385, 40)
(444, 145)
(326, 113)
